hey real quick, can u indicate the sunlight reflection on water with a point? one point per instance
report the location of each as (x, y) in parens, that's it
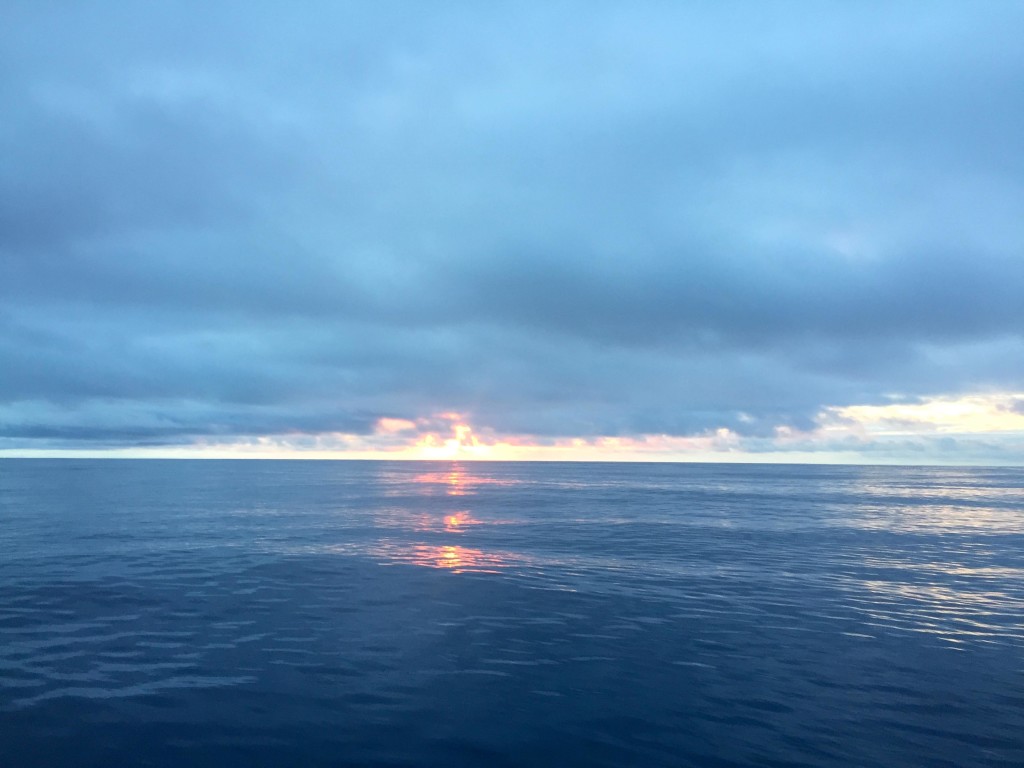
(458, 480)
(816, 605)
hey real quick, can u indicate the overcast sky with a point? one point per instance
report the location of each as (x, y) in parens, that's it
(746, 229)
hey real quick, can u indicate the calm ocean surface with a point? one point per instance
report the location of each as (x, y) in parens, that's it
(221, 613)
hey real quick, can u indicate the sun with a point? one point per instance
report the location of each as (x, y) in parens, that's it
(460, 442)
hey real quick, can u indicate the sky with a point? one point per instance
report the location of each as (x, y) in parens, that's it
(725, 231)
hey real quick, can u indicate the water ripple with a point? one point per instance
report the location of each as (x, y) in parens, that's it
(288, 613)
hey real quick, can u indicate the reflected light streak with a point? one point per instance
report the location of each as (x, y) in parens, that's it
(952, 613)
(458, 481)
(455, 558)
(459, 522)
(455, 482)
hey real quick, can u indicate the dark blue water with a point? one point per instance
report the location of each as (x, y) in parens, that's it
(370, 613)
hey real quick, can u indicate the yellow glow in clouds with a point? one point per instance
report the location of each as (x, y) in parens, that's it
(964, 415)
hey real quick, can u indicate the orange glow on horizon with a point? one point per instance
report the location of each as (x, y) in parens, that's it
(460, 443)
(841, 434)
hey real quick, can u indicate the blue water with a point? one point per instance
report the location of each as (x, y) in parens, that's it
(187, 613)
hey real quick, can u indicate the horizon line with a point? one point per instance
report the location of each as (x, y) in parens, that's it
(473, 460)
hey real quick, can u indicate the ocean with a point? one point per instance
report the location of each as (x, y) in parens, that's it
(317, 613)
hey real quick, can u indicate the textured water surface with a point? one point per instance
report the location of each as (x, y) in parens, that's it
(442, 614)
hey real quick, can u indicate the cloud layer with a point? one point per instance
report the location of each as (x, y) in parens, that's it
(574, 220)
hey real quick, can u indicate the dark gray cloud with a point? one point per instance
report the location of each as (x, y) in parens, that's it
(575, 219)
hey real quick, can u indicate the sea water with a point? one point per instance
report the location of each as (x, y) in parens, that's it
(292, 613)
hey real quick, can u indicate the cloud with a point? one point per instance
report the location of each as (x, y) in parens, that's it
(570, 222)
